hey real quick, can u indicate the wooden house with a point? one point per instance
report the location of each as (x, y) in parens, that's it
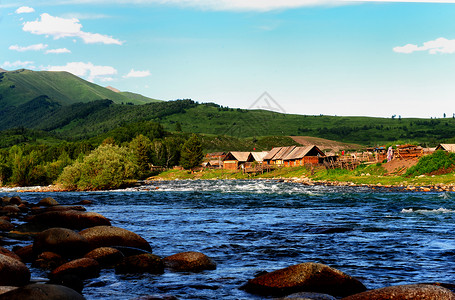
(236, 160)
(259, 156)
(408, 151)
(300, 156)
(446, 147)
(215, 156)
(276, 155)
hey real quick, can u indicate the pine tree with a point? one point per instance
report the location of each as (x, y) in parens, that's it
(191, 155)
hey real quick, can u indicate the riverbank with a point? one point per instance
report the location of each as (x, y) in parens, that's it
(373, 176)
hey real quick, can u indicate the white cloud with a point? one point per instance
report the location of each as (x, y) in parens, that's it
(61, 28)
(137, 74)
(439, 45)
(24, 10)
(58, 51)
(36, 47)
(86, 70)
(17, 65)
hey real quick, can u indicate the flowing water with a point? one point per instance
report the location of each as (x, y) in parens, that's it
(380, 237)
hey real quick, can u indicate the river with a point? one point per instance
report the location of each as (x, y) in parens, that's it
(380, 237)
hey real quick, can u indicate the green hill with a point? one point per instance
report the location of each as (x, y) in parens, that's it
(21, 86)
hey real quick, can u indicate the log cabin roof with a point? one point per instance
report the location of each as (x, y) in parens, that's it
(239, 156)
(301, 152)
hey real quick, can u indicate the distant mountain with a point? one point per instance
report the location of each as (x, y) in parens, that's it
(20, 86)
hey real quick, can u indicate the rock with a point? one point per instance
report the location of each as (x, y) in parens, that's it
(130, 251)
(5, 200)
(106, 256)
(11, 254)
(10, 210)
(305, 277)
(189, 262)
(62, 241)
(84, 202)
(71, 219)
(13, 272)
(16, 200)
(40, 210)
(42, 292)
(47, 202)
(48, 261)
(26, 253)
(5, 225)
(107, 236)
(402, 292)
(5, 289)
(308, 296)
(142, 263)
(83, 268)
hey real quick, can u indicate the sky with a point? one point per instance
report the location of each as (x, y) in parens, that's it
(312, 57)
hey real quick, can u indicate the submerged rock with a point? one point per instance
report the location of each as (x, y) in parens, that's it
(305, 277)
(402, 292)
(71, 219)
(308, 296)
(48, 260)
(25, 253)
(189, 262)
(11, 254)
(49, 201)
(83, 268)
(42, 292)
(5, 225)
(63, 241)
(106, 256)
(142, 263)
(13, 272)
(107, 236)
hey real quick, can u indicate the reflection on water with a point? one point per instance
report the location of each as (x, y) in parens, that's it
(382, 238)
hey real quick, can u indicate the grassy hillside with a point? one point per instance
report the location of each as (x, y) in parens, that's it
(21, 86)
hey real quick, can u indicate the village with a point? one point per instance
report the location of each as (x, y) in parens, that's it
(312, 156)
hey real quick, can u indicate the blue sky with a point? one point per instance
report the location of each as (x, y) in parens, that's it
(313, 57)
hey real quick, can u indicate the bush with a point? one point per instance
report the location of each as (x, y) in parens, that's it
(107, 167)
(439, 160)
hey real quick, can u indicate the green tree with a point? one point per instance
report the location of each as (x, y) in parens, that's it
(141, 146)
(106, 167)
(178, 127)
(191, 155)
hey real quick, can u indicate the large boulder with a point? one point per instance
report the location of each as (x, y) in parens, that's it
(83, 268)
(142, 263)
(40, 210)
(107, 236)
(25, 253)
(189, 262)
(305, 277)
(42, 292)
(62, 241)
(48, 202)
(106, 256)
(11, 254)
(5, 225)
(71, 219)
(48, 261)
(13, 272)
(403, 292)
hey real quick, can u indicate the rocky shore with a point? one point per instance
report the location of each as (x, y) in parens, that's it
(71, 245)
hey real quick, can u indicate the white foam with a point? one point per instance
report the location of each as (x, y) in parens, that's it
(427, 211)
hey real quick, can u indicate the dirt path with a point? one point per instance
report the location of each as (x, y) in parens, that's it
(399, 166)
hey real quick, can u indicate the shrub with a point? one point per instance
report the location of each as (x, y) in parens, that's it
(107, 167)
(439, 160)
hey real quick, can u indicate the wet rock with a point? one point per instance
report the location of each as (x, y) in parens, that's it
(402, 292)
(5, 200)
(13, 272)
(42, 292)
(308, 296)
(130, 251)
(10, 210)
(47, 202)
(71, 219)
(48, 261)
(305, 277)
(83, 268)
(69, 280)
(62, 241)
(84, 202)
(16, 200)
(106, 256)
(5, 225)
(11, 254)
(143, 263)
(189, 262)
(5, 289)
(25, 253)
(107, 236)
(40, 210)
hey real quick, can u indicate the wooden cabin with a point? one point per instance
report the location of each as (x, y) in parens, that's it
(276, 155)
(408, 151)
(215, 156)
(259, 156)
(446, 147)
(299, 156)
(237, 160)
